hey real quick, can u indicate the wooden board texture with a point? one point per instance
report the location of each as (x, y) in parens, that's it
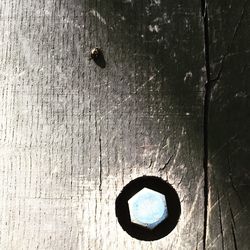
(73, 134)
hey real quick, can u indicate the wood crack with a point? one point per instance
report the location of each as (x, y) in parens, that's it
(220, 217)
(100, 163)
(233, 226)
(208, 85)
(206, 105)
(234, 237)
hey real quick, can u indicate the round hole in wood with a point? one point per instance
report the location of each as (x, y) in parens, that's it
(154, 190)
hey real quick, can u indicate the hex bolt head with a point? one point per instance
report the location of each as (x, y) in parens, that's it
(148, 208)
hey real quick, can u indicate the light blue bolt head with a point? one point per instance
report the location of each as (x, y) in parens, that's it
(148, 208)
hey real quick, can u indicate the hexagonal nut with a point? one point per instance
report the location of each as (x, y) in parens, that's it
(148, 208)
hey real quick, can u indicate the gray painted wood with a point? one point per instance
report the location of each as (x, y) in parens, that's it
(73, 134)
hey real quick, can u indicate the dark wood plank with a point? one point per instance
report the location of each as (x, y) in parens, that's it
(73, 134)
(229, 124)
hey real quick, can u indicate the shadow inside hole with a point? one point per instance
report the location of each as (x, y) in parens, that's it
(137, 231)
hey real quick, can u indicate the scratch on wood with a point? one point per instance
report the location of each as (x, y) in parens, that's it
(236, 29)
(98, 16)
(157, 154)
(197, 241)
(130, 96)
(223, 146)
(167, 163)
(220, 217)
(232, 182)
(150, 163)
(194, 203)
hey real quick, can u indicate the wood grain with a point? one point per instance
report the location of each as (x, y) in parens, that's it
(73, 134)
(229, 123)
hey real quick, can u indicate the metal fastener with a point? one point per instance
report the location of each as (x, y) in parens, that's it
(148, 208)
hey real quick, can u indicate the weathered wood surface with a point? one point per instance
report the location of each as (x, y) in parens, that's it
(73, 134)
(229, 147)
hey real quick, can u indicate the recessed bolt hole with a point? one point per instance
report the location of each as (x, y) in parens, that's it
(148, 208)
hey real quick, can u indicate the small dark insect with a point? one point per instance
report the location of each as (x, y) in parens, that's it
(95, 53)
(97, 56)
